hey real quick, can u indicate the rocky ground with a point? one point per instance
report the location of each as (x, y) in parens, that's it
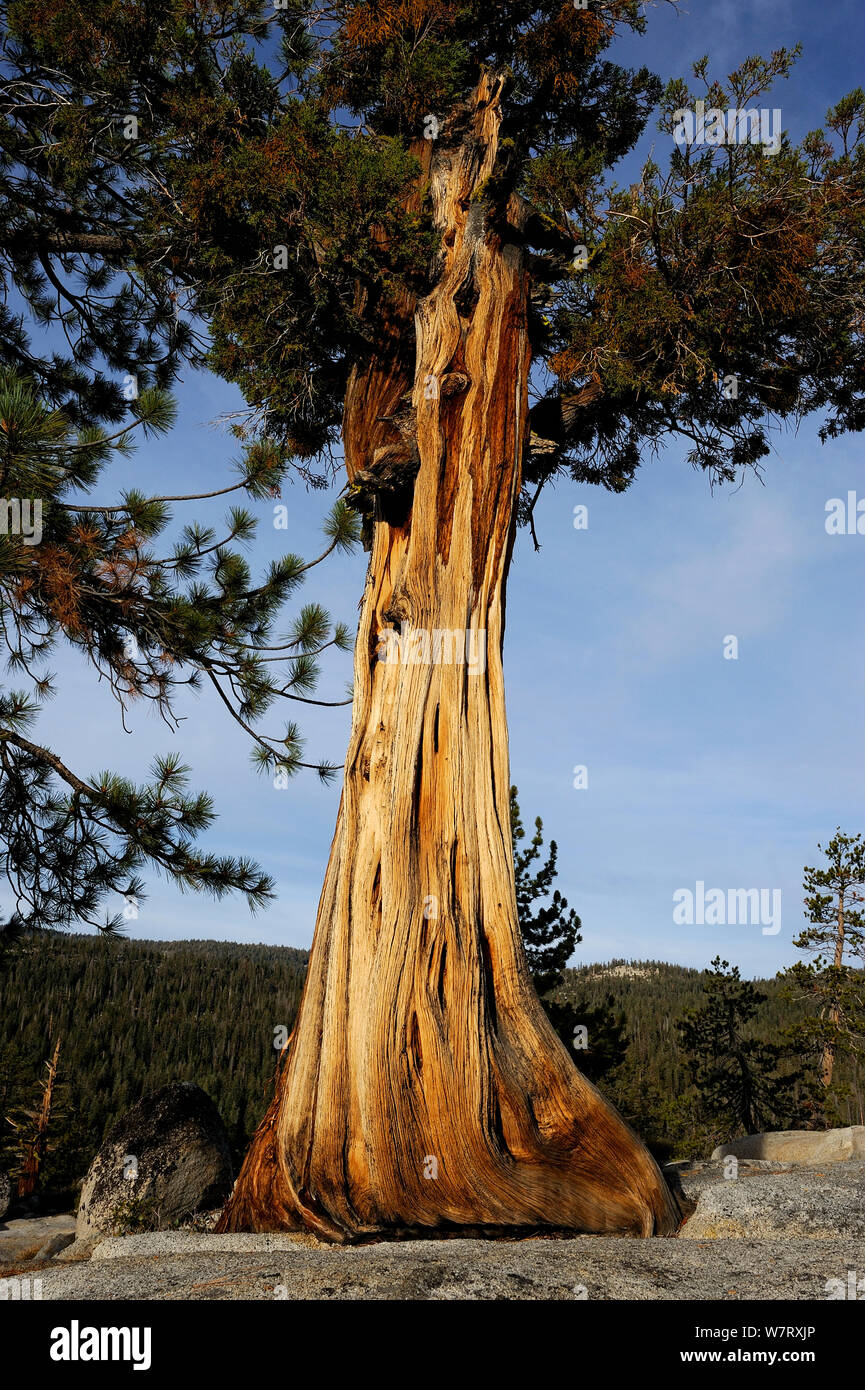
(775, 1231)
(579, 1268)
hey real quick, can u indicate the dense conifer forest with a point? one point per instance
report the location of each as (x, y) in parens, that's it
(653, 1086)
(133, 1015)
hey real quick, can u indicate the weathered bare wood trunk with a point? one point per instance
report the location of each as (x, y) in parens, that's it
(36, 1144)
(423, 1086)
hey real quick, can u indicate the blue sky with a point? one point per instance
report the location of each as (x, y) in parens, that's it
(699, 768)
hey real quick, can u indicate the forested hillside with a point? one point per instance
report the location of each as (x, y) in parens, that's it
(132, 1015)
(652, 1088)
(653, 995)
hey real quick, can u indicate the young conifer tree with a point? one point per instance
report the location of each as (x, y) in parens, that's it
(550, 933)
(742, 1084)
(832, 982)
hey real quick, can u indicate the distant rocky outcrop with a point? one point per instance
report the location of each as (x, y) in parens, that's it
(799, 1145)
(165, 1160)
(622, 972)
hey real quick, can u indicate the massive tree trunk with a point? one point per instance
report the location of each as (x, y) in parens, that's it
(423, 1087)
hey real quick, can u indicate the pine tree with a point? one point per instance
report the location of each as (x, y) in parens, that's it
(739, 1077)
(832, 983)
(550, 933)
(150, 624)
(386, 214)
